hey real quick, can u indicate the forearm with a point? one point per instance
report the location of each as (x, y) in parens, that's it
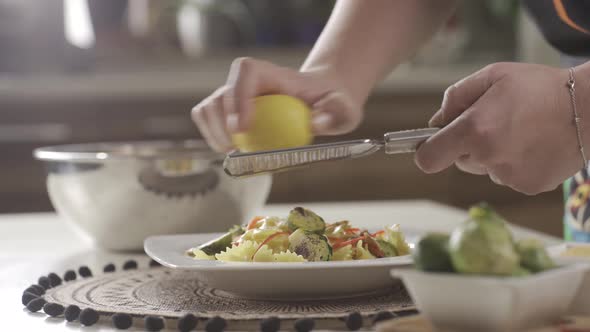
(364, 40)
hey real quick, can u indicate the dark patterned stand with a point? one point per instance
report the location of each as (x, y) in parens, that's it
(170, 294)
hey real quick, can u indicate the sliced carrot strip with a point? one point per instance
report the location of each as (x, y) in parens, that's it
(351, 230)
(267, 240)
(345, 243)
(378, 233)
(334, 239)
(253, 222)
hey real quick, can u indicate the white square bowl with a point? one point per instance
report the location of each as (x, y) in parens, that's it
(481, 303)
(581, 303)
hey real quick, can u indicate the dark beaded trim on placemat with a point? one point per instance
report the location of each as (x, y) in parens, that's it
(34, 298)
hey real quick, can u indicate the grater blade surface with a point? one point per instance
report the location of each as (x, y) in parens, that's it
(243, 164)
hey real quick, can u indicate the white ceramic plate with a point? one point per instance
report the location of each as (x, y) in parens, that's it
(309, 280)
(482, 303)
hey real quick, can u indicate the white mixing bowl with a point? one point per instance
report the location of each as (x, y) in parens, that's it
(118, 194)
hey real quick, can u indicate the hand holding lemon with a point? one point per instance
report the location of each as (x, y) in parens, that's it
(264, 106)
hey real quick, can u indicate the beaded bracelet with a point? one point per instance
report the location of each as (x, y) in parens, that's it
(577, 119)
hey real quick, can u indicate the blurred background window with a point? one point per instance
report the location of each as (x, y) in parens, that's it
(75, 71)
(67, 35)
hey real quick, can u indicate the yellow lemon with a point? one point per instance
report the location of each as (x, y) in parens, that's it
(278, 122)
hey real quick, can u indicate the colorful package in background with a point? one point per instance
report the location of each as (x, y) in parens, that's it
(576, 223)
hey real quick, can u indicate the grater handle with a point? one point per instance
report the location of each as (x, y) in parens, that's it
(406, 141)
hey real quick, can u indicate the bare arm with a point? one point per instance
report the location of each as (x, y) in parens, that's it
(364, 40)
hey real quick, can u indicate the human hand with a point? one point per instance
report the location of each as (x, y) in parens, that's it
(511, 121)
(230, 108)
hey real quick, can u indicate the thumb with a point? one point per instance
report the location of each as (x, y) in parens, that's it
(335, 114)
(461, 95)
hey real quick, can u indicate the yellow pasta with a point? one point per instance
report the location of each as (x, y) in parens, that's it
(264, 254)
(361, 253)
(394, 235)
(343, 254)
(241, 253)
(276, 244)
(288, 256)
(199, 254)
(246, 251)
(302, 236)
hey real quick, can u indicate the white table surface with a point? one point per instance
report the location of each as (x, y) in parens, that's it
(32, 245)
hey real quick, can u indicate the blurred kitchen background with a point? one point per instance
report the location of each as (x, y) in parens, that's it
(77, 71)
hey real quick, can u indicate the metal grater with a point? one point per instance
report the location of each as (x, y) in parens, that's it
(239, 164)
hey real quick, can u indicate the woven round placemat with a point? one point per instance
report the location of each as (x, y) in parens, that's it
(171, 294)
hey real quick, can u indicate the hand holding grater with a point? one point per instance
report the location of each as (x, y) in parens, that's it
(238, 164)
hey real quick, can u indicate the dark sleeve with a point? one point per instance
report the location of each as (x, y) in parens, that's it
(564, 23)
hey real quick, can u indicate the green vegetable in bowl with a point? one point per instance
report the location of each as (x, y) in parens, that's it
(311, 246)
(300, 218)
(533, 255)
(520, 272)
(484, 212)
(431, 253)
(483, 245)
